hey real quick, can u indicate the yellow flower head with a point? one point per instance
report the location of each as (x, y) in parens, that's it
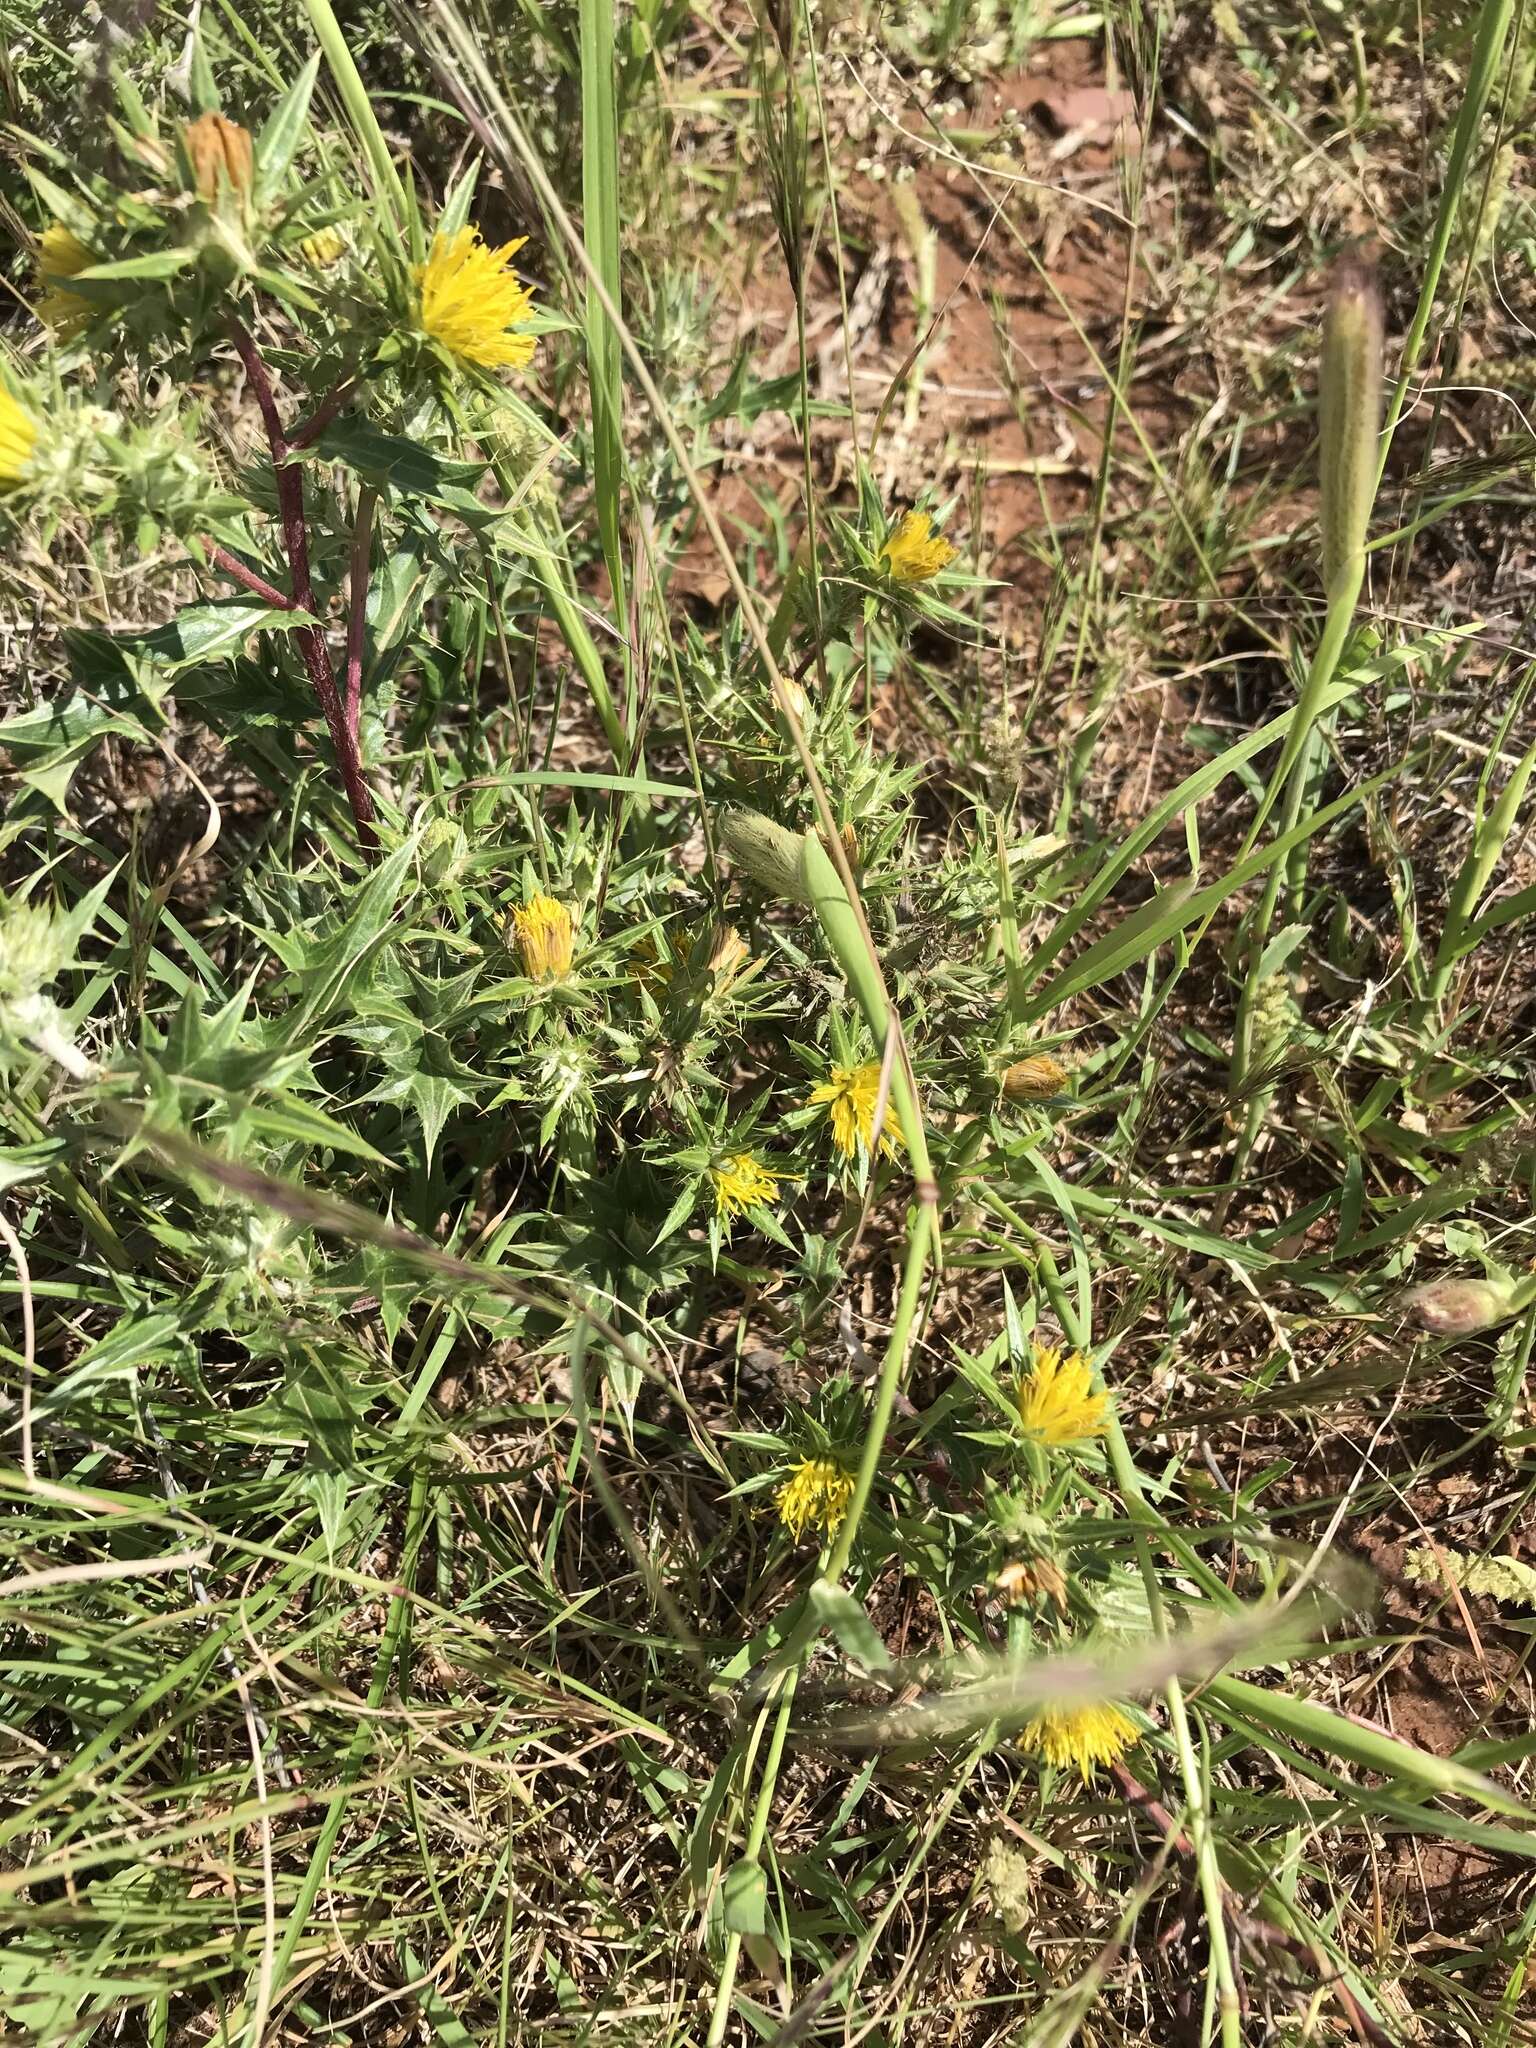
(1058, 1402)
(18, 436)
(913, 552)
(324, 248)
(546, 938)
(815, 1496)
(742, 1183)
(1080, 1737)
(61, 253)
(850, 1094)
(472, 301)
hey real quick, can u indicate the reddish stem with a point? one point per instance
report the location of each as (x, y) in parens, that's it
(233, 566)
(357, 605)
(323, 414)
(315, 654)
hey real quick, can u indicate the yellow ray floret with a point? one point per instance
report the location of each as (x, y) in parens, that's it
(61, 253)
(741, 1183)
(472, 301)
(815, 1496)
(18, 436)
(850, 1095)
(1058, 1402)
(1080, 1738)
(546, 938)
(913, 552)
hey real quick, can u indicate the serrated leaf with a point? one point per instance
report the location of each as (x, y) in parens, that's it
(391, 462)
(208, 632)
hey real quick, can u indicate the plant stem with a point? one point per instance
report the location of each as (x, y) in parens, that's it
(357, 605)
(233, 566)
(757, 1834)
(329, 406)
(359, 106)
(311, 639)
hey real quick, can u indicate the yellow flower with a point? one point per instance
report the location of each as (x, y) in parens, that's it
(18, 436)
(913, 552)
(471, 299)
(545, 937)
(815, 1496)
(742, 1183)
(850, 1095)
(61, 253)
(1080, 1737)
(1058, 1402)
(322, 249)
(1035, 1078)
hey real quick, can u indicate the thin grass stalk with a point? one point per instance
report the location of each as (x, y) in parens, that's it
(1197, 1806)
(1488, 843)
(600, 227)
(395, 1627)
(1487, 46)
(359, 107)
(757, 1834)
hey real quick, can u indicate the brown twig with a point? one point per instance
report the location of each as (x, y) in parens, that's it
(311, 639)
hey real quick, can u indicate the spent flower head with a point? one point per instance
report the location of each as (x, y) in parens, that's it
(1080, 1738)
(545, 938)
(1058, 1402)
(222, 157)
(850, 1096)
(1034, 1078)
(913, 552)
(472, 302)
(815, 1495)
(742, 1182)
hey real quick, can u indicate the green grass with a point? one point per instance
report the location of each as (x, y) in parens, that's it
(400, 1637)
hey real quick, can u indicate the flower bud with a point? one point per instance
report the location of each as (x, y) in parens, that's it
(1034, 1078)
(1461, 1308)
(220, 154)
(324, 248)
(443, 850)
(1349, 406)
(544, 937)
(768, 854)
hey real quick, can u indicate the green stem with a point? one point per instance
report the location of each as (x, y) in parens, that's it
(757, 1834)
(354, 94)
(1197, 1811)
(1492, 29)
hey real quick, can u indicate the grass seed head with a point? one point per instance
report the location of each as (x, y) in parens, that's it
(768, 854)
(1350, 408)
